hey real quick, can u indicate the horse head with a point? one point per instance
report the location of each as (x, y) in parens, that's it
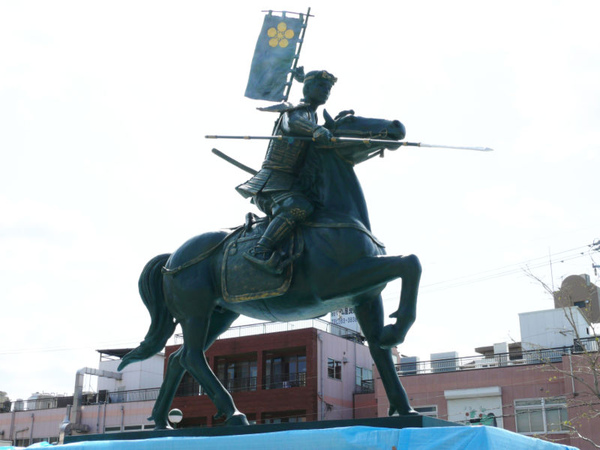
(328, 176)
(346, 124)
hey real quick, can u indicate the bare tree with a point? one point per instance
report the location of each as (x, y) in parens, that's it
(583, 369)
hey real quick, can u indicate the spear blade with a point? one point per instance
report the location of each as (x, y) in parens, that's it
(477, 149)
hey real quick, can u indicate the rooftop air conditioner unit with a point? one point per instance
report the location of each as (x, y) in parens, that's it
(444, 362)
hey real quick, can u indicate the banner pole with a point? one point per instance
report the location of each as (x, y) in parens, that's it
(288, 86)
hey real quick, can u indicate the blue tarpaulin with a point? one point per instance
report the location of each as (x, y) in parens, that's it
(360, 437)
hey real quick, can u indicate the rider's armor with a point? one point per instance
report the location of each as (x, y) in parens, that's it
(285, 157)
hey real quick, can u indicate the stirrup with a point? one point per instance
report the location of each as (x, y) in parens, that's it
(270, 265)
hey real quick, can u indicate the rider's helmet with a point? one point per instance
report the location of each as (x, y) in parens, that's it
(317, 75)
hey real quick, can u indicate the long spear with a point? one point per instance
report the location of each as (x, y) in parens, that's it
(349, 139)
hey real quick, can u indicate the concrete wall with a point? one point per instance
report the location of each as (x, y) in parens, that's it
(518, 382)
(338, 394)
(141, 375)
(45, 423)
(551, 328)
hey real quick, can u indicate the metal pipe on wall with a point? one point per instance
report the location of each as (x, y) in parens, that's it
(31, 429)
(320, 366)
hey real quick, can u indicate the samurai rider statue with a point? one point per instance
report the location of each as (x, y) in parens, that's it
(275, 188)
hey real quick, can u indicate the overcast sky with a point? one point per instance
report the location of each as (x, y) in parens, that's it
(103, 111)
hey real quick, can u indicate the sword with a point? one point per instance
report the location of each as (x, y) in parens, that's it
(236, 163)
(349, 139)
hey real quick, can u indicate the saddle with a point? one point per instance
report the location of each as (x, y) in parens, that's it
(242, 281)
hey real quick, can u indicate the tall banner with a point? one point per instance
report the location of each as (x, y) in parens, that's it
(273, 57)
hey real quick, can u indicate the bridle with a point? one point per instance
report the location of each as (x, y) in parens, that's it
(382, 134)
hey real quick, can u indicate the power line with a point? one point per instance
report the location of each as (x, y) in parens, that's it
(511, 269)
(508, 270)
(67, 348)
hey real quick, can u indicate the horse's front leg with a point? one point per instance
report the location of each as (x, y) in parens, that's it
(406, 313)
(371, 271)
(369, 313)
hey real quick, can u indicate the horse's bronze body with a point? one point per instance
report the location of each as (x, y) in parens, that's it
(342, 265)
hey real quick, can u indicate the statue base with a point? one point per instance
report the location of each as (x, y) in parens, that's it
(399, 432)
(395, 422)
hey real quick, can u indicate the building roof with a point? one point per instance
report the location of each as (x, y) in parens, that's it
(116, 352)
(512, 348)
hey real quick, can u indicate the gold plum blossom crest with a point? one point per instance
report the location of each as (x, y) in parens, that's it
(280, 36)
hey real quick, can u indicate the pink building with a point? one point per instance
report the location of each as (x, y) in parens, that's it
(540, 387)
(298, 372)
(277, 372)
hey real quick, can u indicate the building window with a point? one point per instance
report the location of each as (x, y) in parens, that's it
(237, 375)
(364, 380)
(541, 415)
(188, 386)
(285, 371)
(334, 369)
(429, 411)
(284, 417)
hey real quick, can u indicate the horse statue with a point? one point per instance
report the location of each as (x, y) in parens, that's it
(335, 262)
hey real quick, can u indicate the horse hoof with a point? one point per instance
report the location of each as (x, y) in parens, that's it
(160, 424)
(395, 315)
(390, 337)
(238, 419)
(408, 412)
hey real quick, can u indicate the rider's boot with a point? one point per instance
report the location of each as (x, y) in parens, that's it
(264, 255)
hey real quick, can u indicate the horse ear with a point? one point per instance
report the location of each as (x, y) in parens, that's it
(329, 122)
(344, 113)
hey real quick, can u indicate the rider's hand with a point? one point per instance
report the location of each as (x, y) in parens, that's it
(322, 135)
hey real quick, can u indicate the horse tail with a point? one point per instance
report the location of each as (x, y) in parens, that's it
(162, 324)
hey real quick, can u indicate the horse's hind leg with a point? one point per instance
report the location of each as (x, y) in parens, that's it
(369, 313)
(220, 322)
(173, 377)
(195, 335)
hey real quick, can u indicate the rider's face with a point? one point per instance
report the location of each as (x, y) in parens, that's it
(317, 91)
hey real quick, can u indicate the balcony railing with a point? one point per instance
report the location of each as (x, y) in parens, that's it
(140, 395)
(537, 356)
(365, 387)
(274, 327)
(284, 381)
(246, 384)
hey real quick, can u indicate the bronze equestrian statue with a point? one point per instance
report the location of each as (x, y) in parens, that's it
(334, 262)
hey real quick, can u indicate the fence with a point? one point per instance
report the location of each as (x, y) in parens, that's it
(275, 327)
(536, 356)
